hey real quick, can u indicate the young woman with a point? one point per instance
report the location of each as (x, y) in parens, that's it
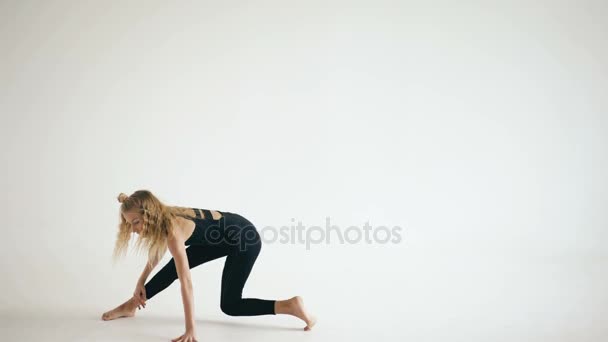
(209, 235)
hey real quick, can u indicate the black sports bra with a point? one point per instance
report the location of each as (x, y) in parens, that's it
(206, 213)
(207, 230)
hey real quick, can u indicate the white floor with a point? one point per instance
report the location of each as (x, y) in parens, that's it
(163, 327)
(150, 327)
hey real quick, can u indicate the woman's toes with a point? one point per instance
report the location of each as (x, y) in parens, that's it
(106, 316)
(300, 311)
(311, 322)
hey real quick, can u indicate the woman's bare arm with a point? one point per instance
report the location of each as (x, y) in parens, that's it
(178, 250)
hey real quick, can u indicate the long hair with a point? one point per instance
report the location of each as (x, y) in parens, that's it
(157, 224)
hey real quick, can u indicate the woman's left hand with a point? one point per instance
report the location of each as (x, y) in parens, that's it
(189, 336)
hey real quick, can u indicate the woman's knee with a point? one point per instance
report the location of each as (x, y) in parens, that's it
(230, 308)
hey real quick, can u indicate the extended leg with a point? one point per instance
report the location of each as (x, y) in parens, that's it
(166, 276)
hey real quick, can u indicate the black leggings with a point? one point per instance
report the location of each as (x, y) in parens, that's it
(237, 267)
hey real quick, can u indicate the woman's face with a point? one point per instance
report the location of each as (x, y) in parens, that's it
(135, 219)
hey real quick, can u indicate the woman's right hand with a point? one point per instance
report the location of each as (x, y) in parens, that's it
(140, 295)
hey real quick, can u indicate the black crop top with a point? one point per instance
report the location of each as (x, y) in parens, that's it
(207, 230)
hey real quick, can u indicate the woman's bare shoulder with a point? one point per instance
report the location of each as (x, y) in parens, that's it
(182, 228)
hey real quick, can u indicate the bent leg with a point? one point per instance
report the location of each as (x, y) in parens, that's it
(236, 271)
(166, 276)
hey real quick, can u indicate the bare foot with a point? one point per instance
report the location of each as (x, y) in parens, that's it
(296, 308)
(126, 309)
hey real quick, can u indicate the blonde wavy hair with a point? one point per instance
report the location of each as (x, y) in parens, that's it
(157, 225)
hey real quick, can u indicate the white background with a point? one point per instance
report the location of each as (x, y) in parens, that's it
(478, 127)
